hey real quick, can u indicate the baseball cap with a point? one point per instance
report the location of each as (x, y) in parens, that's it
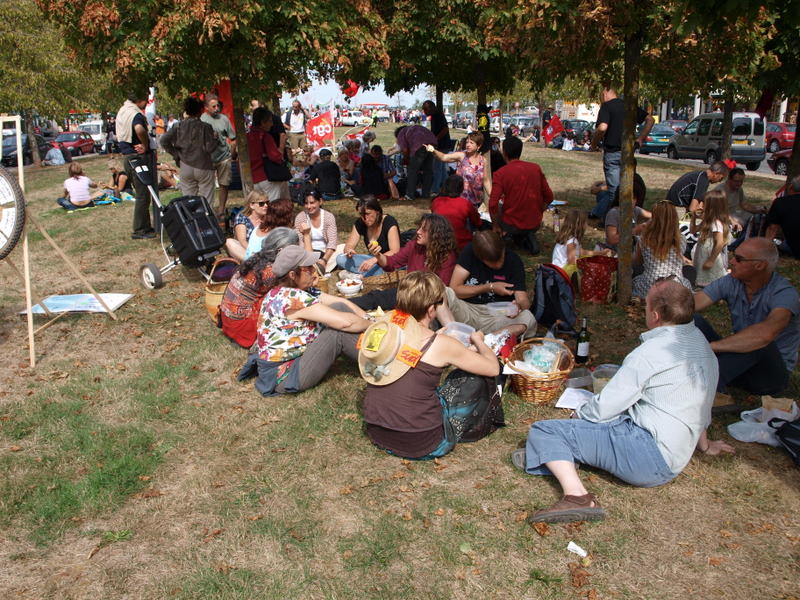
(290, 258)
(325, 152)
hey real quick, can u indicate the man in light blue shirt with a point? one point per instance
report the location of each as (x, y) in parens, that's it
(645, 424)
(765, 314)
(53, 158)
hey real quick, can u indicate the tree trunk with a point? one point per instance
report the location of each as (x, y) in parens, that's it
(633, 51)
(480, 91)
(34, 147)
(241, 142)
(439, 97)
(794, 162)
(727, 125)
(276, 105)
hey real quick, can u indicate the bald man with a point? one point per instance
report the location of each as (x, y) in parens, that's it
(762, 350)
(645, 424)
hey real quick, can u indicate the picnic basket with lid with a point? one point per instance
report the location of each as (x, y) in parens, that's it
(540, 388)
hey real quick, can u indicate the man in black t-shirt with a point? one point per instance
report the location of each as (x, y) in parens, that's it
(690, 188)
(609, 129)
(327, 176)
(441, 130)
(784, 215)
(487, 272)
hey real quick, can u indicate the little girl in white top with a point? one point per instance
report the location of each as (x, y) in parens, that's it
(568, 249)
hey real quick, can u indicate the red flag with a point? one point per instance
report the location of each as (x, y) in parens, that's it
(357, 135)
(553, 129)
(351, 89)
(319, 130)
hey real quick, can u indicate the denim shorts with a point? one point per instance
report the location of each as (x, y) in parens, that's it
(619, 447)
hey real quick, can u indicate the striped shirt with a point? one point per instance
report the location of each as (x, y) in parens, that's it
(666, 386)
(327, 225)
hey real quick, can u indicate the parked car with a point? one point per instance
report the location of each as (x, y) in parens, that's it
(702, 136)
(678, 125)
(780, 136)
(95, 129)
(77, 142)
(658, 139)
(10, 149)
(779, 161)
(576, 126)
(355, 118)
(463, 119)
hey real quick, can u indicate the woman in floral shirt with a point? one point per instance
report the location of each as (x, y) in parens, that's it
(301, 330)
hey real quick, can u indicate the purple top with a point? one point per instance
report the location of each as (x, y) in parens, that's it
(413, 137)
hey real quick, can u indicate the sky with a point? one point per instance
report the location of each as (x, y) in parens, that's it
(321, 92)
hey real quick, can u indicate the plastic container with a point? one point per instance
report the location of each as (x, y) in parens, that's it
(602, 375)
(580, 377)
(349, 287)
(502, 309)
(459, 331)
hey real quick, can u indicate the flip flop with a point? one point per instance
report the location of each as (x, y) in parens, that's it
(570, 508)
(518, 458)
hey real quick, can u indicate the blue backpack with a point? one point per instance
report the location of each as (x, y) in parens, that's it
(554, 299)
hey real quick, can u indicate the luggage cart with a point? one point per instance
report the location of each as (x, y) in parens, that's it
(192, 228)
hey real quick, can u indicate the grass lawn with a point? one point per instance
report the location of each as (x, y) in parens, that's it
(135, 466)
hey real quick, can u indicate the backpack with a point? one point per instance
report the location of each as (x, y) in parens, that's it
(788, 433)
(472, 405)
(554, 299)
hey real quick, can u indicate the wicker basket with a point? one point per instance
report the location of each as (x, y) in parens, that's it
(389, 279)
(536, 387)
(215, 290)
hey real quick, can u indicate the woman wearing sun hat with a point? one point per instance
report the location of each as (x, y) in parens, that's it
(402, 361)
(301, 330)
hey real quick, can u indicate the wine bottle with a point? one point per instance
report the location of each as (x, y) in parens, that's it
(582, 352)
(556, 221)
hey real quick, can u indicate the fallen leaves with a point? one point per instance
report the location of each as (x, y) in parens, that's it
(579, 577)
(15, 448)
(543, 529)
(210, 535)
(149, 493)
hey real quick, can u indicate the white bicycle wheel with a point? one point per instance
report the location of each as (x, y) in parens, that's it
(12, 212)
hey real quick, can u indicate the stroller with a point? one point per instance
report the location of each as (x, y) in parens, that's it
(193, 231)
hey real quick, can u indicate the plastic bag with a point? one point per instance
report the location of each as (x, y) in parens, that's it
(754, 425)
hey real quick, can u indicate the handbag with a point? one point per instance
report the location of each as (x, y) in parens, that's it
(276, 171)
(472, 405)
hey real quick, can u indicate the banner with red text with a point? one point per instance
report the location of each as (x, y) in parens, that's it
(319, 130)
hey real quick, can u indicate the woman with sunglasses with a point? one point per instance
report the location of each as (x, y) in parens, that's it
(280, 213)
(245, 222)
(301, 330)
(660, 251)
(379, 231)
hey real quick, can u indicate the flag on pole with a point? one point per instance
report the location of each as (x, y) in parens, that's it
(319, 130)
(357, 135)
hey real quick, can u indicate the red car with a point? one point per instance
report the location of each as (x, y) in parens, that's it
(779, 161)
(678, 125)
(77, 142)
(779, 136)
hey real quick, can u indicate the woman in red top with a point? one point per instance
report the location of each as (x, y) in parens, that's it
(461, 213)
(433, 249)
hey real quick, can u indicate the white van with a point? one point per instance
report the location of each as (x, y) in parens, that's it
(702, 137)
(94, 129)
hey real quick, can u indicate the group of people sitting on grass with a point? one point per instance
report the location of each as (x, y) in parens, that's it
(643, 427)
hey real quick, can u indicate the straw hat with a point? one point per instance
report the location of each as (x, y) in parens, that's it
(389, 348)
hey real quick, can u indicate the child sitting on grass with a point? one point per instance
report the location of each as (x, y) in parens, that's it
(710, 254)
(568, 249)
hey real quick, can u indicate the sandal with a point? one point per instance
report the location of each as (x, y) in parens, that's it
(518, 458)
(570, 508)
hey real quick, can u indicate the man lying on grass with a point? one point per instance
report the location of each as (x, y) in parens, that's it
(645, 424)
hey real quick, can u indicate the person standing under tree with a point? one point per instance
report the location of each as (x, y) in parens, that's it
(222, 156)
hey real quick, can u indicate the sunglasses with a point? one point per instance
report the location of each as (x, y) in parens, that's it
(262, 203)
(743, 259)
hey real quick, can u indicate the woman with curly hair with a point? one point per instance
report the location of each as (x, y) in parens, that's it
(238, 312)
(660, 250)
(433, 249)
(280, 213)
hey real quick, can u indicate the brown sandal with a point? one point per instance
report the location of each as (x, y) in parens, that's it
(570, 508)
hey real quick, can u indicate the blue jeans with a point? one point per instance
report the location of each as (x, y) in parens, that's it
(619, 447)
(353, 264)
(439, 175)
(612, 164)
(759, 372)
(604, 200)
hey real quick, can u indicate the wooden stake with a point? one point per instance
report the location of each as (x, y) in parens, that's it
(26, 266)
